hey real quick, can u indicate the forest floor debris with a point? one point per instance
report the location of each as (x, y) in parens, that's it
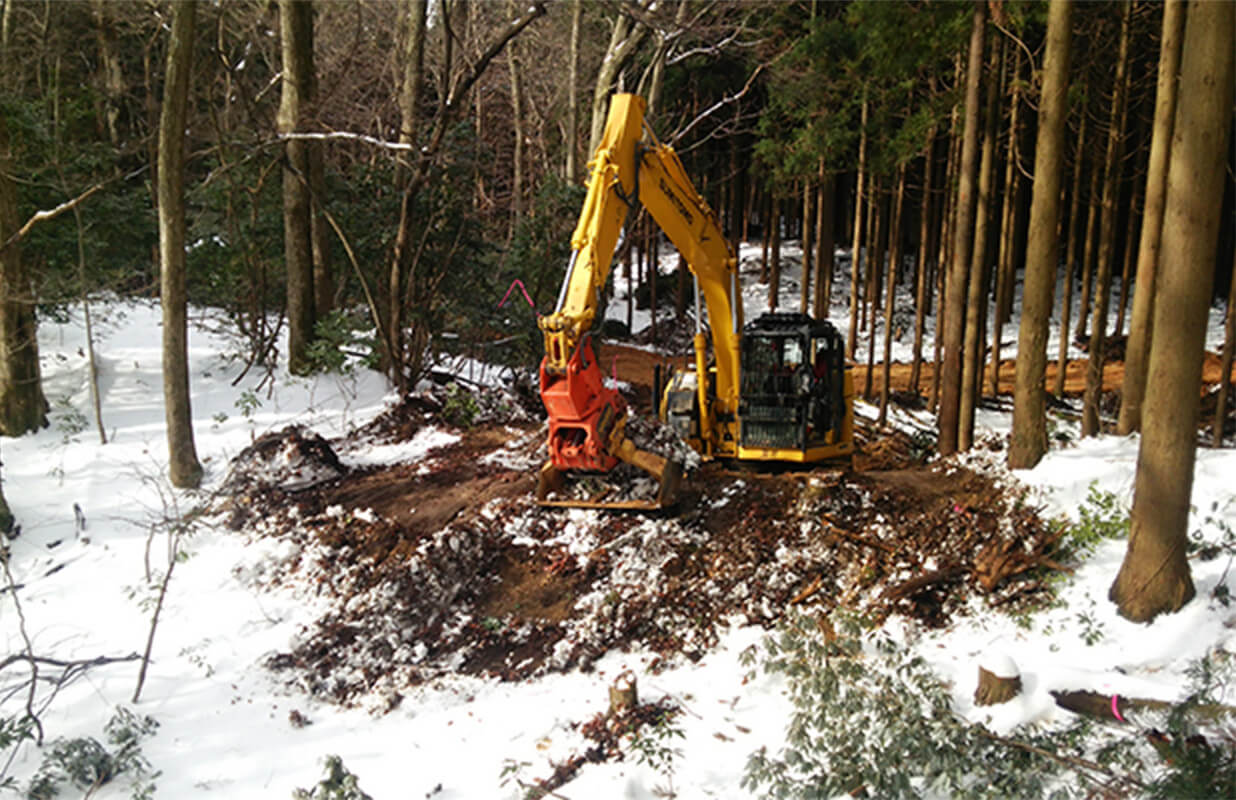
(445, 564)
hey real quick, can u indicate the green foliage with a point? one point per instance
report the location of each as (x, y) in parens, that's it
(339, 784)
(652, 745)
(870, 716)
(1103, 516)
(86, 764)
(460, 408)
(342, 340)
(1192, 765)
(538, 255)
(878, 50)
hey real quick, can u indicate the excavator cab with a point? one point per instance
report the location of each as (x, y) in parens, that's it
(792, 392)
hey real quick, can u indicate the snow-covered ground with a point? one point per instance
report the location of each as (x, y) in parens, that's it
(226, 724)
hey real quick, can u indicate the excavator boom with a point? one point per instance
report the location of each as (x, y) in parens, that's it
(794, 404)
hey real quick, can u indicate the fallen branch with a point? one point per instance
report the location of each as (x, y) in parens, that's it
(916, 585)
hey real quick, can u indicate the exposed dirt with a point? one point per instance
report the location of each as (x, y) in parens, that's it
(446, 564)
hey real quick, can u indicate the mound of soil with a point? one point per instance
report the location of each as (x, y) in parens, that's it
(447, 565)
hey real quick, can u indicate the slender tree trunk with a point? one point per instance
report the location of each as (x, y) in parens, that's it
(1029, 438)
(517, 123)
(296, 34)
(23, 407)
(774, 268)
(625, 37)
(894, 258)
(805, 299)
(320, 234)
(766, 238)
(948, 222)
(949, 411)
(1006, 276)
(825, 242)
(1070, 256)
(924, 244)
(1107, 240)
(572, 120)
(184, 470)
(1126, 269)
(874, 271)
(851, 342)
(409, 121)
(1154, 577)
(1133, 390)
(976, 305)
(1089, 251)
(1225, 360)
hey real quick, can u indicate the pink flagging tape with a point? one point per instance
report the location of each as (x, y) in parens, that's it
(1116, 708)
(511, 288)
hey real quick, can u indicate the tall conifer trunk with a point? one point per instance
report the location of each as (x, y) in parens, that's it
(1029, 439)
(1107, 240)
(976, 305)
(1133, 391)
(950, 378)
(1154, 577)
(851, 342)
(1070, 256)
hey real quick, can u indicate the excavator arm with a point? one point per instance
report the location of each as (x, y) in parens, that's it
(587, 419)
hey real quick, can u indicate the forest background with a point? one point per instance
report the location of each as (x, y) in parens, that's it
(374, 176)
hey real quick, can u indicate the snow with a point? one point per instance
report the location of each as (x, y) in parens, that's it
(224, 720)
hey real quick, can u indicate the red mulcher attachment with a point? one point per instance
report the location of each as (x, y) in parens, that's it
(587, 420)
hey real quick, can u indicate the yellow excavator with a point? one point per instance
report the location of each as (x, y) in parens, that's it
(777, 389)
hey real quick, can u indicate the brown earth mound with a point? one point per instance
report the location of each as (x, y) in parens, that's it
(446, 564)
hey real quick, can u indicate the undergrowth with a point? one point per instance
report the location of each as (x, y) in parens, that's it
(871, 719)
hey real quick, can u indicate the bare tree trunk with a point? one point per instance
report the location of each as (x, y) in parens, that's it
(924, 244)
(517, 123)
(1107, 241)
(572, 120)
(894, 259)
(825, 242)
(876, 250)
(625, 38)
(1154, 577)
(1070, 256)
(976, 305)
(948, 222)
(949, 411)
(1029, 438)
(296, 34)
(1090, 248)
(184, 470)
(805, 239)
(320, 235)
(409, 121)
(774, 268)
(1006, 276)
(1133, 390)
(23, 407)
(851, 342)
(1126, 268)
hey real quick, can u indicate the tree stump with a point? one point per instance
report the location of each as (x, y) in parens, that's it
(622, 694)
(998, 681)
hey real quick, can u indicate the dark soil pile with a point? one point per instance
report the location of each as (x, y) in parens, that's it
(447, 565)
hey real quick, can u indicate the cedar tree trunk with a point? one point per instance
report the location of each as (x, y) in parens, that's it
(1154, 577)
